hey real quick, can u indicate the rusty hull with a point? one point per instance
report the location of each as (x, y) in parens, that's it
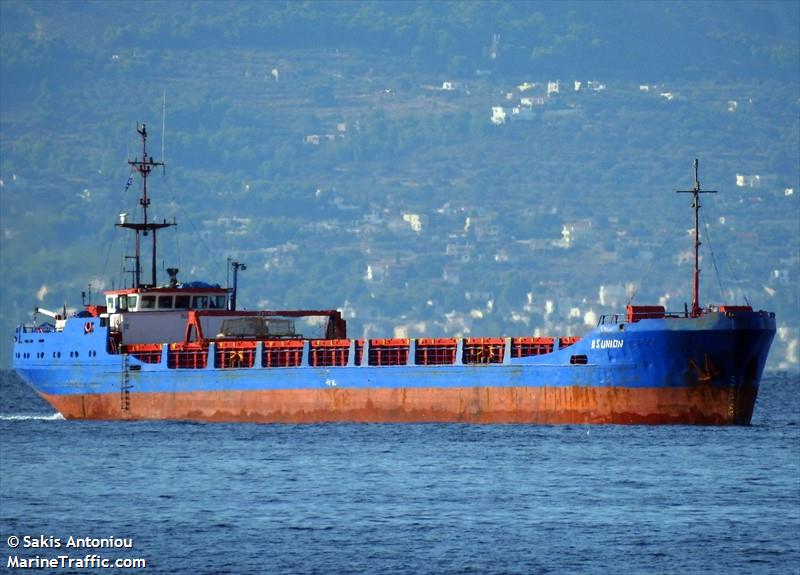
(701, 404)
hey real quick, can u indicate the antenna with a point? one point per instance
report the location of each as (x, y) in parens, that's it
(163, 127)
(144, 167)
(696, 191)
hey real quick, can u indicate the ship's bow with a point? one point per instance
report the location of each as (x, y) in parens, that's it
(753, 333)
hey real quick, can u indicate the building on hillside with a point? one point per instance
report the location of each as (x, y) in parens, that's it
(498, 115)
(743, 181)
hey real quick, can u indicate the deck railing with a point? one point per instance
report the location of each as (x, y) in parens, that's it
(284, 353)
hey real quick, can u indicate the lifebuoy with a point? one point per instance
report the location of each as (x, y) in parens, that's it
(88, 327)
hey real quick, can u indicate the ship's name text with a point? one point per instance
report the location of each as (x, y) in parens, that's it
(607, 343)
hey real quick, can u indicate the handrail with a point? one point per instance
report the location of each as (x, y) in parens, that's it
(616, 318)
(46, 327)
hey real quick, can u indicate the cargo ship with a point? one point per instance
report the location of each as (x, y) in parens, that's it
(183, 351)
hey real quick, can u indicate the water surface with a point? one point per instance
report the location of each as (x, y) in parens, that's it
(408, 499)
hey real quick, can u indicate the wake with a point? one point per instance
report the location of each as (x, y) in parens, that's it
(51, 417)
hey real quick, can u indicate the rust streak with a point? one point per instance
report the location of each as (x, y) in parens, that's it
(577, 405)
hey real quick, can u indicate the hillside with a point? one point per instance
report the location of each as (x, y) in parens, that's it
(430, 168)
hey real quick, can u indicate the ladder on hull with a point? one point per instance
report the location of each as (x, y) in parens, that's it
(125, 386)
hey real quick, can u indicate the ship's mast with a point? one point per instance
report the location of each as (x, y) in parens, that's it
(144, 167)
(696, 205)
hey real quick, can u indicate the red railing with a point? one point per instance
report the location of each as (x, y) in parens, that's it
(282, 353)
(336, 352)
(187, 356)
(436, 351)
(528, 346)
(388, 351)
(568, 341)
(144, 352)
(329, 352)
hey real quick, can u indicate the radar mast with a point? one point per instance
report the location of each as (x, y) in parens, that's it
(143, 228)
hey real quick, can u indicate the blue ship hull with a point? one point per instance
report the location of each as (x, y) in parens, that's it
(692, 370)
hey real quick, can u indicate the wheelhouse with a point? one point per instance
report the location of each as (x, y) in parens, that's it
(167, 299)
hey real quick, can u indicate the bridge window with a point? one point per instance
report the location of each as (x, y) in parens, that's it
(182, 301)
(200, 302)
(165, 302)
(148, 302)
(217, 302)
(133, 301)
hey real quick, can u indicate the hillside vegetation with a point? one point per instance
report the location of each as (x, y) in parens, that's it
(355, 156)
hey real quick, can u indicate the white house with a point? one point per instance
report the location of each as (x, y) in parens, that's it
(498, 115)
(743, 181)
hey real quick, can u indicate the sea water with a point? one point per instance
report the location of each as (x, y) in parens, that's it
(401, 499)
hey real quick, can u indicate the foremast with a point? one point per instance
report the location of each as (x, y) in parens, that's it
(143, 228)
(696, 191)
